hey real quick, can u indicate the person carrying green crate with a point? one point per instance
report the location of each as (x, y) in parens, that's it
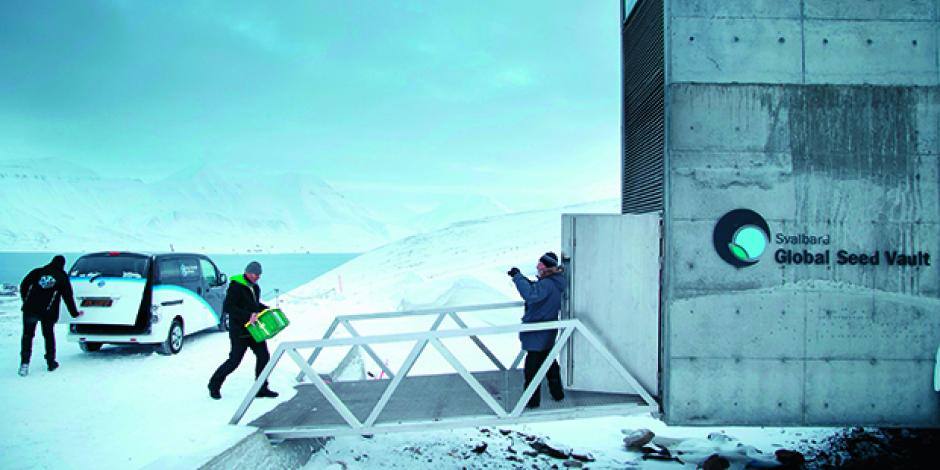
(243, 304)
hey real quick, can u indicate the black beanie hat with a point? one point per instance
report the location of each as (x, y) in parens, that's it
(549, 259)
(253, 267)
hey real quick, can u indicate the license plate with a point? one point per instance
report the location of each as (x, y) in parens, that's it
(96, 302)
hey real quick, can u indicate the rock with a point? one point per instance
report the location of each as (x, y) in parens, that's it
(720, 437)
(790, 458)
(715, 462)
(480, 448)
(636, 439)
(662, 457)
(573, 464)
(653, 452)
(550, 449)
(530, 453)
(653, 449)
(505, 432)
(582, 456)
(667, 442)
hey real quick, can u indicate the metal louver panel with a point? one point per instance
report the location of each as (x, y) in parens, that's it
(643, 109)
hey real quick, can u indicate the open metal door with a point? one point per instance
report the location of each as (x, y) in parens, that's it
(613, 264)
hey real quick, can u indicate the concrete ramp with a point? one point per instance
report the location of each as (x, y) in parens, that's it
(243, 448)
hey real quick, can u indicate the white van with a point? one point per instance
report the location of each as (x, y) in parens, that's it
(137, 298)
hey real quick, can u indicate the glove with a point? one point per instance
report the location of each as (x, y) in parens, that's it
(512, 272)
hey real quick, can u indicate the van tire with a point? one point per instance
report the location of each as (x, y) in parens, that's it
(89, 346)
(173, 343)
(223, 322)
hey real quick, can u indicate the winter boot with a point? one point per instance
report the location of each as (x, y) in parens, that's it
(215, 392)
(53, 365)
(266, 392)
(24, 370)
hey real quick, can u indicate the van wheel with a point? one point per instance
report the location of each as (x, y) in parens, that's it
(89, 347)
(223, 322)
(174, 339)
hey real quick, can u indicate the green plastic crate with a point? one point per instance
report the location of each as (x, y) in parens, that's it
(270, 322)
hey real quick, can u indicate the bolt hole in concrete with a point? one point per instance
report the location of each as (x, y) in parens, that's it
(914, 42)
(781, 40)
(825, 41)
(869, 41)
(691, 38)
(736, 39)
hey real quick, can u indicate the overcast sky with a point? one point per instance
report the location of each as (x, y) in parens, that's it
(394, 102)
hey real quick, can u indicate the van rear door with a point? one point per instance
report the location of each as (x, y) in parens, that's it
(109, 287)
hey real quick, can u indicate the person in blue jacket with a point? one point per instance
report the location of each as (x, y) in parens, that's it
(542, 304)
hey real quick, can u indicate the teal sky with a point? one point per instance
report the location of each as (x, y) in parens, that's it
(392, 102)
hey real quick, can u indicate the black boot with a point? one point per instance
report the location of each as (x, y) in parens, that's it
(266, 392)
(52, 365)
(215, 391)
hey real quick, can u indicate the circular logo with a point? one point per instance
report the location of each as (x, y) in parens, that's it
(47, 282)
(741, 237)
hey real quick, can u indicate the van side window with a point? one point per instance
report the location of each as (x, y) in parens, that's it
(169, 271)
(178, 271)
(209, 272)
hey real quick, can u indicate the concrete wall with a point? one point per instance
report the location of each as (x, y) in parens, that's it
(823, 116)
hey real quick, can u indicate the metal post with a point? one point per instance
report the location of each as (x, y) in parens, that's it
(375, 357)
(393, 385)
(331, 397)
(476, 340)
(605, 353)
(316, 350)
(471, 381)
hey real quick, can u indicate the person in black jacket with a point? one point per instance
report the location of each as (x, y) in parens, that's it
(243, 304)
(40, 291)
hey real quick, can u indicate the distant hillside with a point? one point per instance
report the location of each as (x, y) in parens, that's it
(51, 205)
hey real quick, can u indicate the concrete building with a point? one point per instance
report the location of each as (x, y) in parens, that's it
(819, 118)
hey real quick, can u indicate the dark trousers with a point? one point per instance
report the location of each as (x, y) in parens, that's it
(29, 330)
(534, 360)
(239, 346)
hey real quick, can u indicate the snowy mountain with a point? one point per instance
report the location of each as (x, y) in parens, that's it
(54, 205)
(468, 207)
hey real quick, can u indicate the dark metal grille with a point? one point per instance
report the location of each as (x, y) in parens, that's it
(643, 109)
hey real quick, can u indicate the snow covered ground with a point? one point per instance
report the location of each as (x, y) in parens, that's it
(127, 407)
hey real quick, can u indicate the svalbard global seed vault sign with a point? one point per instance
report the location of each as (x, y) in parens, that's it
(742, 236)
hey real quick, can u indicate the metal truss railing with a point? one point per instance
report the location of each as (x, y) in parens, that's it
(566, 328)
(451, 312)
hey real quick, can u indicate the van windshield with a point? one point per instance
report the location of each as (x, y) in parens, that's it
(111, 265)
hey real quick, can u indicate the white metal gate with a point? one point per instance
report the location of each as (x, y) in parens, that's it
(362, 417)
